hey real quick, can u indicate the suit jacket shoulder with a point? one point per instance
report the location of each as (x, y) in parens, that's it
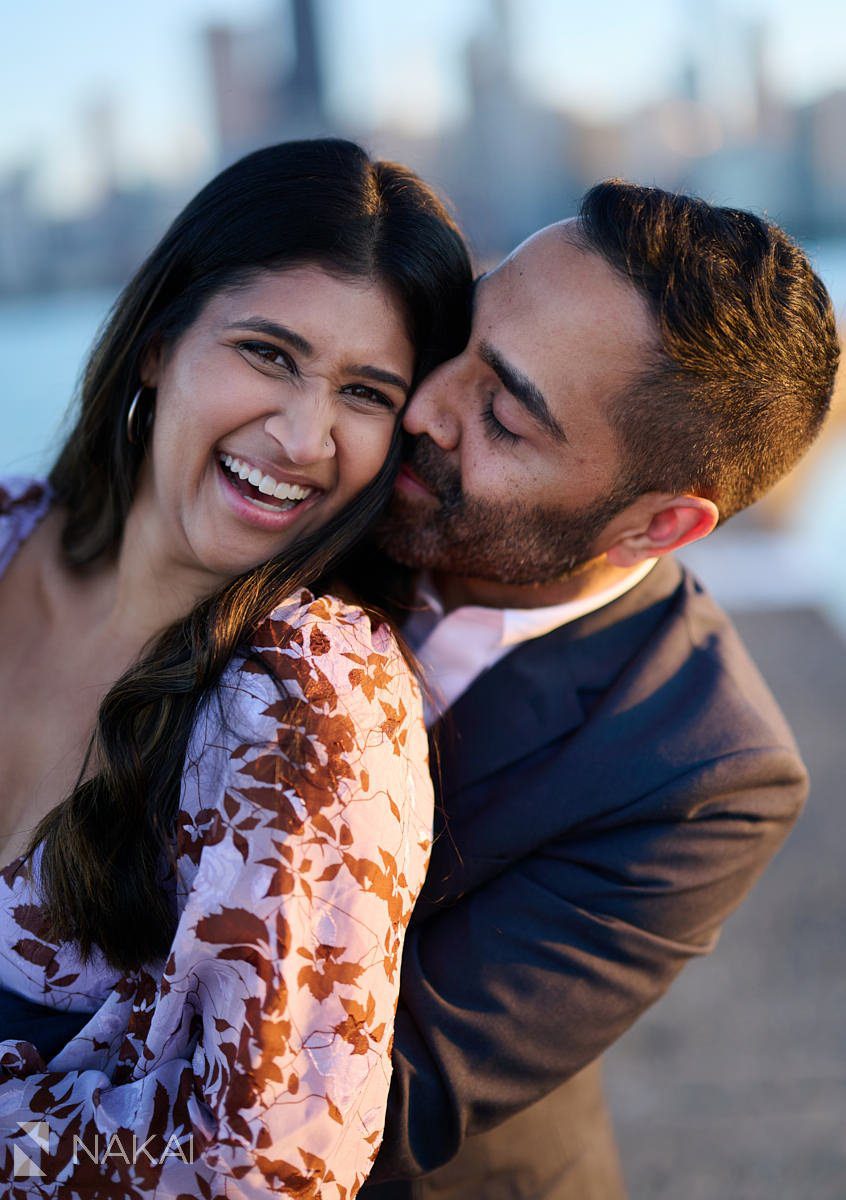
(600, 713)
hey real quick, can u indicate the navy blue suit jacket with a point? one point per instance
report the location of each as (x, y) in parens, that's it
(610, 792)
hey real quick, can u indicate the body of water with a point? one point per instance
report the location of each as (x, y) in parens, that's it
(43, 345)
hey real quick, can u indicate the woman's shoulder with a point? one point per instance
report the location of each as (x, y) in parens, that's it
(331, 656)
(21, 491)
(312, 638)
(24, 499)
(23, 502)
(320, 708)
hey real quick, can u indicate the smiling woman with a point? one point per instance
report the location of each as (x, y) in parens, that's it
(314, 404)
(216, 807)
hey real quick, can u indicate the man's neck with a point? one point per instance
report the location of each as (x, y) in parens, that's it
(456, 591)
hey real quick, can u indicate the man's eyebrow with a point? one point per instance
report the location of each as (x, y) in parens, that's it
(523, 390)
(263, 325)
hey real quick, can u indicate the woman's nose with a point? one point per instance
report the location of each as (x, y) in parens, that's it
(304, 431)
(433, 409)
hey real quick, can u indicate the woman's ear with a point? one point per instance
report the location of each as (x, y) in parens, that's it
(669, 523)
(151, 364)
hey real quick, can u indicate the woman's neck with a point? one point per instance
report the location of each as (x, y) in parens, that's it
(125, 599)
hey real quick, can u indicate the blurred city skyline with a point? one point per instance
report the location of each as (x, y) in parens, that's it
(148, 64)
(511, 109)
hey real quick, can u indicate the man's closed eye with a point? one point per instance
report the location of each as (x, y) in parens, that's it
(494, 428)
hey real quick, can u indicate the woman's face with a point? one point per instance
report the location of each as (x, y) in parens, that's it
(273, 410)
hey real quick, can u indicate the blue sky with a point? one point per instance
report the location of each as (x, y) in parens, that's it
(59, 58)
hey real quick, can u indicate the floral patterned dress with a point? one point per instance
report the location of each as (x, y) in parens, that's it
(254, 1060)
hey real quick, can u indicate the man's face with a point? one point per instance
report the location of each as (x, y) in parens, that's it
(513, 472)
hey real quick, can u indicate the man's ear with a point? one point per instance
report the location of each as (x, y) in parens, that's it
(662, 524)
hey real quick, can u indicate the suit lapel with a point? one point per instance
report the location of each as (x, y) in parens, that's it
(536, 693)
(522, 703)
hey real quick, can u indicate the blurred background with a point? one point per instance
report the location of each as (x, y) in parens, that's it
(734, 1085)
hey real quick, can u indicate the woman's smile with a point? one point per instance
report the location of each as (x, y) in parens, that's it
(259, 498)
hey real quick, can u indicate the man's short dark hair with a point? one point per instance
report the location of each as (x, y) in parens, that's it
(748, 351)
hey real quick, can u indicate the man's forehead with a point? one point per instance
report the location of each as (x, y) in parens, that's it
(545, 251)
(553, 283)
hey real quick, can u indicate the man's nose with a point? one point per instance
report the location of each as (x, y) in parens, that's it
(433, 409)
(304, 430)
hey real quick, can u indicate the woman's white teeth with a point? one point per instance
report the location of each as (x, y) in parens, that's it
(266, 484)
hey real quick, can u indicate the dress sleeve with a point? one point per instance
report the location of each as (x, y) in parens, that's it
(287, 950)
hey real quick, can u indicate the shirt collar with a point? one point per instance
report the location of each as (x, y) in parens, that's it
(520, 624)
(510, 626)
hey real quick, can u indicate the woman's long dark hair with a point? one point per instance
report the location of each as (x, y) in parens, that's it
(321, 202)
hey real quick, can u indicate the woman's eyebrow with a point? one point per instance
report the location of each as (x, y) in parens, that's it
(379, 375)
(298, 342)
(263, 325)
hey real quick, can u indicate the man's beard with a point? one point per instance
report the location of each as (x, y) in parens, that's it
(481, 539)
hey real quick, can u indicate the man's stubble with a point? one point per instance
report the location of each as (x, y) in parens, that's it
(500, 542)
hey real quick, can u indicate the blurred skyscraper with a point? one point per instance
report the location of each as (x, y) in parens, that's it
(511, 164)
(266, 80)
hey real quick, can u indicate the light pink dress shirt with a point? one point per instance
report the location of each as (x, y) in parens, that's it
(455, 648)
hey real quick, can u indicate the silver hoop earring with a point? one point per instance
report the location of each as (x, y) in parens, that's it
(131, 430)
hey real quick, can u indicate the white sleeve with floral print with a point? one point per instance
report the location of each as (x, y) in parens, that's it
(254, 1061)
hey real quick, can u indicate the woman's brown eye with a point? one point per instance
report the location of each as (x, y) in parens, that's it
(362, 392)
(268, 353)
